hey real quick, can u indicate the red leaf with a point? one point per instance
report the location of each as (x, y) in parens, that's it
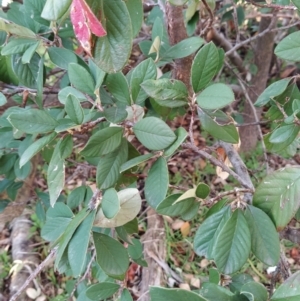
(84, 22)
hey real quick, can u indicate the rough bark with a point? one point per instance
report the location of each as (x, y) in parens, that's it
(263, 55)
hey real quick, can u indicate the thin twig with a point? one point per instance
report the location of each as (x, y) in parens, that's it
(210, 21)
(226, 193)
(33, 275)
(236, 23)
(217, 162)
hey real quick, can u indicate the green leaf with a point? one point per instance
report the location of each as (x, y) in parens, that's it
(154, 133)
(169, 206)
(66, 146)
(26, 73)
(17, 45)
(238, 281)
(289, 290)
(272, 91)
(103, 142)
(67, 91)
(166, 92)
(254, 291)
(67, 235)
(117, 85)
(3, 100)
(110, 203)
(136, 161)
(296, 3)
(204, 66)
(233, 244)
(135, 9)
(97, 73)
(126, 296)
(279, 196)
(112, 51)
(74, 109)
(58, 218)
(61, 57)
(157, 182)
(144, 71)
(77, 248)
(108, 169)
(112, 256)
(181, 135)
(32, 121)
(216, 207)
(202, 191)
(227, 132)
(206, 233)
(101, 291)
(173, 294)
(190, 193)
(15, 29)
(214, 292)
(264, 237)
(81, 78)
(40, 82)
(135, 250)
(35, 147)
(28, 54)
(55, 9)
(289, 47)
(215, 96)
(285, 133)
(22, 173)
(130, 203)
(76, 196)
(116, 113)
(184, 48)
(35, 8)
(214, 276)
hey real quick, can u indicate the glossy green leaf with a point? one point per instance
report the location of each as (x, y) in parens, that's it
(135, 9)
(55, 9)
(202, 191)
(58, 218)
(144, 71)
(117, 85)
(215, 96)
(81, 78)
(67, 235)
(206, 233)
(279, 196)
(173, 294)
(214, 292)
(32, 121)
(110, 203)
(204, 66)
(112, 256)
(227, 132)
(61, 57)
(74, 109)
(112, 51)
(101, 291)
(130, 203)
(184, 48)
(103, 142)
(289, 47)
(35, 147)
(272, 91)
(108, 169)
(289, 290)
(136, 161)
(17, 45)
(254, 291)
(264, 237)
(56, 175)
(285, 133)
(181, 135)
(157, 182)
(233, 244)
(166, 92)
(77, 248)
(154, 133)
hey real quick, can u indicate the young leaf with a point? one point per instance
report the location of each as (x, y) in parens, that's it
(172, 294)
(130, 203)
(215, 97)
(272, 91)
(61, 57)
(264, 237)
(74, 109)
(289, 290)
(153, 133)
(111, 255)
(55, 9)
(109, 56)
(103, 142)
(101, 291)
(110, 203)
(202, 191)
(233, 244)
(289, 47)
(278, 195)
(32, 121)
(77, 248)
(157, 182)
(204, 66)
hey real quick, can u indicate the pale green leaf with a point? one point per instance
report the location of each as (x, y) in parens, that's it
(110, 203)
(55, 9)
(101, 291)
